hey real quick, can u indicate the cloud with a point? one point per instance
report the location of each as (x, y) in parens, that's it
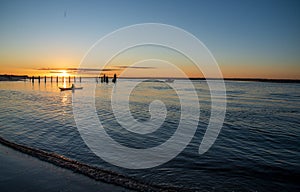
(133, 67)
(58, 70)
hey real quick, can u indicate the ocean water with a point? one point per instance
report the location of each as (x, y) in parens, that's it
(258, 148)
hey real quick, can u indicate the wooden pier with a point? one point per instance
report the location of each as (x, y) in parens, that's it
(69, 79)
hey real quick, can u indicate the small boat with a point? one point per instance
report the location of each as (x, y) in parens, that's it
(169, 80)
(70, 88)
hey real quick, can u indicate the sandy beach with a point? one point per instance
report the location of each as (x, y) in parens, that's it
(21, 172)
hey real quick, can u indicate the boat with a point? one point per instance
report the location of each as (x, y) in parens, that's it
(169, 80)
(70, 88)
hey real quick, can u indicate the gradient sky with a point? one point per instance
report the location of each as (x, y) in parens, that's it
(248, 38)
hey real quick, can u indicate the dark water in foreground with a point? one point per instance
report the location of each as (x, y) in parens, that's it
(257, 148)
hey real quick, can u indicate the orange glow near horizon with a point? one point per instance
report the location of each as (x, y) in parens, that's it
(243, 69)
(228, 71)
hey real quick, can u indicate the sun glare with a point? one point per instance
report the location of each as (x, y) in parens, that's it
(63, 73)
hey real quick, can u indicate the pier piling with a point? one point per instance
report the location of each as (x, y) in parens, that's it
(57, 79)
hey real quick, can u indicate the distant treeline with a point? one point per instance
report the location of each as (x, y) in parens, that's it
(253, 79)
(225, 79)
(13, 77)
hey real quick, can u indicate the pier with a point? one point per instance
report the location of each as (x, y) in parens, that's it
(102, 79)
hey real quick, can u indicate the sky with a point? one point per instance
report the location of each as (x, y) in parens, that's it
(248, 38)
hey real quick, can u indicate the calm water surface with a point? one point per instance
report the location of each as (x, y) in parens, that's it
(258, 148)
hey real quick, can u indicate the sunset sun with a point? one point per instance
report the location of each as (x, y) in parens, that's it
(63, 73)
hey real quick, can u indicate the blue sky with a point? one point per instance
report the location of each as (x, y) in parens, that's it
(247, 34)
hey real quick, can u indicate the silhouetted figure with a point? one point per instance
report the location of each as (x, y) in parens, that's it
(114, 80)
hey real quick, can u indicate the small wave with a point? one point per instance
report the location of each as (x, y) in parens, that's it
(93, 172)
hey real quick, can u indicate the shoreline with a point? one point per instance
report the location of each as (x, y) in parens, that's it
(92, 172)
(22, 172)
(25, 77)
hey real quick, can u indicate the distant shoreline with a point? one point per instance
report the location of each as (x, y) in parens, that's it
(25, 77)
(254, 80)
(226, 79)
(13, 77)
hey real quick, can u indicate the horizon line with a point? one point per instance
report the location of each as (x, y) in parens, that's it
(175, 78)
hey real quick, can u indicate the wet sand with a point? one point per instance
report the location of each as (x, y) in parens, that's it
(92, 172)
(95, 173)
(21, 172)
